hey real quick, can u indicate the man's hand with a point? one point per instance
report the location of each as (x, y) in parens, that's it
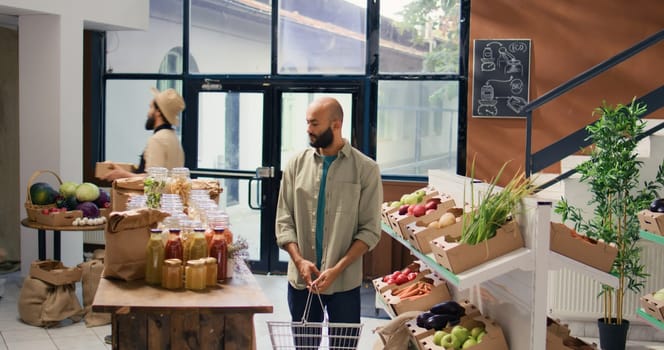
(306, 269)
(326, 278)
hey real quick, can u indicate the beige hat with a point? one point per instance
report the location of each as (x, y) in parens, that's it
(170, 104)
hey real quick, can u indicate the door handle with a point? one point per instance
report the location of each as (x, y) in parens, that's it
(266, 172)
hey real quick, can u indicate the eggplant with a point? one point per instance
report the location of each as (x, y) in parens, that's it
(422, 318)
(449, 307)
(657, 206)
(439, 322)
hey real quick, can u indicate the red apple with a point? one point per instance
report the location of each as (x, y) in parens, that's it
(431, 205)
(434, 199)
(419, 210)
(410, 209)
(429, 211)
(403, 209)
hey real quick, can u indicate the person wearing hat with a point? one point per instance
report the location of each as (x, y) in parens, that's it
(163, 148)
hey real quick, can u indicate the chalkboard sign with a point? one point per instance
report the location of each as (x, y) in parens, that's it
(501, 77)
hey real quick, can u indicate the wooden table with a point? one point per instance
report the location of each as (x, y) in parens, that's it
(41, 232)
(147, 317)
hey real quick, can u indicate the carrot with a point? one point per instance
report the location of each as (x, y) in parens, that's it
(400, 291)
(418, 290)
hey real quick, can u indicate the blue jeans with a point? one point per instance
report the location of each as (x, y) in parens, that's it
(342, 307)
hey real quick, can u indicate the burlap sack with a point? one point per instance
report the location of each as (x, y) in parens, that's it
(91, 271)
(48, 294)
(127, 234)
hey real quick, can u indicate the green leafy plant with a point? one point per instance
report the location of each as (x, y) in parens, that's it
(495, 206)
(612, 174)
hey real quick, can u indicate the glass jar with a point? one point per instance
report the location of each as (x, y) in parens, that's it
(210, 271)
(174, 249)
(180, 184)
(219, 250)
(154, 256)
(195, 278)
(153, 186)
(198, 246)
(171, 277)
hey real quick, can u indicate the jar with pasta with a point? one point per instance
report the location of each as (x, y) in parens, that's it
(180, 183)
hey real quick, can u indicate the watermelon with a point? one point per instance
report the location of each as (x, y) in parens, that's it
(42, 193)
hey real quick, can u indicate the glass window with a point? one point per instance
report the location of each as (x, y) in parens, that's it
(321, 37)
(230, 130)
(419, 36)
(134, 51)
(231, 37)
(127, 104)
(294, 137)
(417, 126)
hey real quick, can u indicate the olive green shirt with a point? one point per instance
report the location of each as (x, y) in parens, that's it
(353, 197)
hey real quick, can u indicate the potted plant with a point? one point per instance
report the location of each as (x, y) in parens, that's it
(612, 174)
(236, 251)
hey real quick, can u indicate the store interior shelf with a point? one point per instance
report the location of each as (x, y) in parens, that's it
(516, 259)
(558, 261)
(651, 237)
(651, 320)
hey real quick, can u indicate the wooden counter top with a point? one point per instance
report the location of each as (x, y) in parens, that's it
(239, 294)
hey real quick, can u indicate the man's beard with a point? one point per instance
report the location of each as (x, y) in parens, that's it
(149, 123)
(323, 140)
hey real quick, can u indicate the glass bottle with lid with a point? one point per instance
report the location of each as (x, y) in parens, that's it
(153, 186)
(171, 277)
(174, 249)
(195, 275)
(210, 271)
(198, 246)
(154, 258)
(219, 250)
(180, 183)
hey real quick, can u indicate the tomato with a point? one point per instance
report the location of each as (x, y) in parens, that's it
(411, 276)
(395, 274)
(403, 278)
(389, 280)
(45, 211)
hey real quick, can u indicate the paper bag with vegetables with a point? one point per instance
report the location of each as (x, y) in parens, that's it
(127, 234)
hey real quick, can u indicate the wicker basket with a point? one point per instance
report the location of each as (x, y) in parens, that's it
(33, 209)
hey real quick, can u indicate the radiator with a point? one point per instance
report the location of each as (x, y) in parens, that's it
(94, 237)
(573, 296)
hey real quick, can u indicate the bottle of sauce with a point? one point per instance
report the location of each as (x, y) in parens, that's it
(154, 253)
(171, 277)
(195, 275)
(198, 246)
(218, 250)
(174, 248)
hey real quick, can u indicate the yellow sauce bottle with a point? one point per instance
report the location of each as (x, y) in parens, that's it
(198, 247)
(154, 258)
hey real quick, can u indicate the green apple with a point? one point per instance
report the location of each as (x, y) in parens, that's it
(450, 341)
(476, 331)
(460, 332)
(395, 204)
(658, 296)
(411, 199)
(438, 336)
(420, 193)
(480, 336)
(468, 343)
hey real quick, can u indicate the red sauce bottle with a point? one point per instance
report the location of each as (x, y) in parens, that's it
(218, 250)
(173, 249)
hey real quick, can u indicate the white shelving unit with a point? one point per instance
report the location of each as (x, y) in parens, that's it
(511, 289)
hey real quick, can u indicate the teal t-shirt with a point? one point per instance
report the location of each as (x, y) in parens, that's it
(320, 211)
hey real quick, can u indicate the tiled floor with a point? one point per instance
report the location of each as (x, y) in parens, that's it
(16, 335)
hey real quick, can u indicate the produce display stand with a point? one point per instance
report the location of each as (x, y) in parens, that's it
(650, 320)
(41, 232)
(147, 317)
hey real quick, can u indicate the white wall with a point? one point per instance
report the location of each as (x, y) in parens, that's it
(51, 93)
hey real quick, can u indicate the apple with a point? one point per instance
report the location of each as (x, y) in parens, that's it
(659, 296)
(412, 199)
(468, 343)
(395, 204)
(438, 336)
(476, 331)
(460, 332)
(434, 199)
(429, 211)
(403, 210)
(450, 341)
(431, 205)
(419, 210)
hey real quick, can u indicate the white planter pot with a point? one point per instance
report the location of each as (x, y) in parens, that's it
(230, 267)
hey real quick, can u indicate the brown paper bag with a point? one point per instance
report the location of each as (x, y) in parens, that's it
(92, 271)
(127, 234)
(123, 189)
(48, 294)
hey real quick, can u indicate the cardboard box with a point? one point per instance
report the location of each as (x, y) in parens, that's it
(652, 307)
(385, 211)
(458, 257)
(420, 236)
(438, 293)
(399, 222)
(588, 251)
(651, 222)
(103, 168)
(382, 287)
(558, 338)
(494, 339)
(58, 219)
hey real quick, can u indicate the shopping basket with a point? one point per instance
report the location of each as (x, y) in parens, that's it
(304, 335)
